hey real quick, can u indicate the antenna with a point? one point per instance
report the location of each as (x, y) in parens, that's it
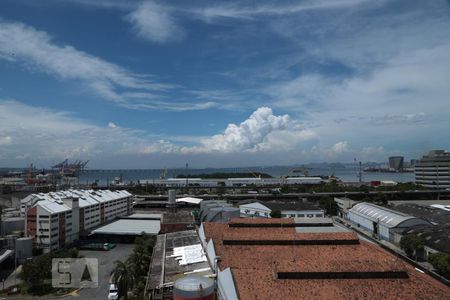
(187, 174)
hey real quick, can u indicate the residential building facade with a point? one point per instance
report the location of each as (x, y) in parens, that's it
(57, 218)
(433, 170)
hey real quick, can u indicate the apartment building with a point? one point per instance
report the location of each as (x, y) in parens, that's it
(57, 218)
(433, 170)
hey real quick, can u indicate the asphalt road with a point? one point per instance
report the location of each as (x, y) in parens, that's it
(106, 261)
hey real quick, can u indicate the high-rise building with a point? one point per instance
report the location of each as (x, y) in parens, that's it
(396, 163)
(433, 170)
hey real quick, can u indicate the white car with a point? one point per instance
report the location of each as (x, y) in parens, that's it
(113, 292)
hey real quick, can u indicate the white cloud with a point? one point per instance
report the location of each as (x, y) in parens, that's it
(160, 23)
(112, 125)
(154, 22)
(36, 50)
(262, 131)
(215, 12)
(340, 147)
(48, 135)
(5, 140)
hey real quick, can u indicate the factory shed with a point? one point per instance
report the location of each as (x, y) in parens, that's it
(381, 221)
(436, 237)
(432, 214)
(127, 228)
(269, 259)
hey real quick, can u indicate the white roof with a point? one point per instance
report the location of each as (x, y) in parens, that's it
(187, 255)
(52, 201)
(383, 215)
(5, 255)
(144, 216)
(440, 206)
(247, 179)
(189, 200)
(255, 205)
(53, 207)
(130, 227)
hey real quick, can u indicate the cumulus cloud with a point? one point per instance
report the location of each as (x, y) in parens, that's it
(249, 135)
(112, 125)
(340, 147)
(154, 22)
(261, 132)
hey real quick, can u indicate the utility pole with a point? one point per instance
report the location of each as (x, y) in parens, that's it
(359, 172)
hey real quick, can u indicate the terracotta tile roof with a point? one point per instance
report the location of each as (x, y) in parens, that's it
(255, 268)
(261, 221)
(284, 234)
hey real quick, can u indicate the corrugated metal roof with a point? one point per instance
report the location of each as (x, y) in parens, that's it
(53, 207)
(255, 205)
(49, 201)
(189, 200)
(380, 214)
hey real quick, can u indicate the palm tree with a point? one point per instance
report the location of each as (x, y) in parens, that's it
(123, 277)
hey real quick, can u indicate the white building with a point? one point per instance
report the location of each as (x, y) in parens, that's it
(255, 210)
(380, 221)
(433, 170)
(57, 218)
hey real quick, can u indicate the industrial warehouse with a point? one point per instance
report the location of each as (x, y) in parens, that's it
(231, 182)
(278, 259)
(381, 221)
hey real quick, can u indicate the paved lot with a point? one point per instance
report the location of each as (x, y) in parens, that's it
(106, 261)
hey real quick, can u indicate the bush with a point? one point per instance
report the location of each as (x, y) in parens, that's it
(441, 262)
(411, 244)
(329, 205)
(37, 271)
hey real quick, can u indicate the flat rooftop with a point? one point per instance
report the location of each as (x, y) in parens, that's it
(130, 227)
(167, 266)
(144, 216)
(177, 217)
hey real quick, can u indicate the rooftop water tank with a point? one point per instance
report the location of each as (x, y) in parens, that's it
(193, 287)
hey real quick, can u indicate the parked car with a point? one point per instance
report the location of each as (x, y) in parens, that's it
(113, 292)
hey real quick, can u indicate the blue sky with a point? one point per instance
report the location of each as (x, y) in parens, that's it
(147, 84)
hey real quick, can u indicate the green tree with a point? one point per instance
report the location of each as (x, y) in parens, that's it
(275, 213)
(329, 205)
(123, 277)
(441, 262)
(411, 244)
